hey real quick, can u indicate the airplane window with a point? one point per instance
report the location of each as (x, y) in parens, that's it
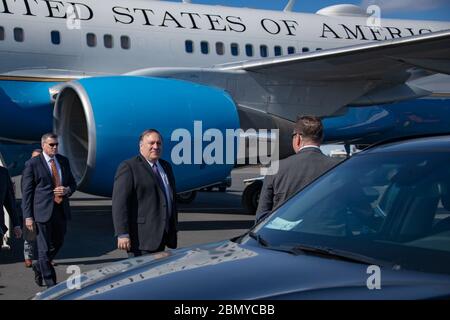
(204, 47)
(291, 50)
(234, 49)
(249, 50)
(278, 51)
(18, 34)
(263, 51)
(56, 37)
(2, 33)
(125, 42)
(318, 49)
(108, 41)
(91, 39)
(305, 49)
(220, 48)
(189, 46)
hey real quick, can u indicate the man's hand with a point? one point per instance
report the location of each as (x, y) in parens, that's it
(124, 243)
(61, 191)
(18, 232)
(29, 223)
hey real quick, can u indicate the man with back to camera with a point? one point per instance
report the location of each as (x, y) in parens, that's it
(144, 209)
(298, 170)
(47, 184)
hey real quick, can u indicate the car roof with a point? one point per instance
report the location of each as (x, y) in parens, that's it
(436, 143)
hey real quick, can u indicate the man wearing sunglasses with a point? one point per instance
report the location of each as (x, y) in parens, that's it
(47, 183)
(298, 170)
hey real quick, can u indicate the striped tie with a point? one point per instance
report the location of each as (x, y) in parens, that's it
(159, 178)
(56, 180)
(166, 196)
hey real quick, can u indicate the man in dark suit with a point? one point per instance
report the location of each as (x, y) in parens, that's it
(29, 246)
(298, 170)
(47, 183)
(8, 201)
(143, 203)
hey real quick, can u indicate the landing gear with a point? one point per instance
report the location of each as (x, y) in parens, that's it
(186, 197)
(250, 196)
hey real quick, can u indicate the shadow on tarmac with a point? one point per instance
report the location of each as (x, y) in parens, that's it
(90, 232)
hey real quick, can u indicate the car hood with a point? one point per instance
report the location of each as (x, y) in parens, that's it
(227, 270)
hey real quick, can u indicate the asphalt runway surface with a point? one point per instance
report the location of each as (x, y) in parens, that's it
(90, 241)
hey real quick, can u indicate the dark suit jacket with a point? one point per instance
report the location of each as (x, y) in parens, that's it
(139, 205)
(37, 188)
(295, 172)
(7, 199)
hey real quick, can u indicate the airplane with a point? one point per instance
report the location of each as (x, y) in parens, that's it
(98, 73)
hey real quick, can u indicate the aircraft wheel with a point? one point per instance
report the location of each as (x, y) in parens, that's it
(250, 196)
(186, 197)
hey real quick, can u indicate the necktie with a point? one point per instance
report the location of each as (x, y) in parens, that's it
(56, 180)
(161, 184)
(158, 177)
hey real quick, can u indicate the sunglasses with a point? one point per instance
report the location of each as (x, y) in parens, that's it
(53, 144)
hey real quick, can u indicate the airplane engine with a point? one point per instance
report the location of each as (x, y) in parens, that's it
(25, 110)
(99, 121)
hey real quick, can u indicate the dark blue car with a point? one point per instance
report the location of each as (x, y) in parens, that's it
(375, 227)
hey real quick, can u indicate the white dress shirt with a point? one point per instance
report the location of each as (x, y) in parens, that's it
(309, 146)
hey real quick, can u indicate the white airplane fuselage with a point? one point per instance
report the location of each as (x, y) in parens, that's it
(44, 44)
(155, 34)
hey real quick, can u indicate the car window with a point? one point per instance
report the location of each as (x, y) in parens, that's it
(398, 202)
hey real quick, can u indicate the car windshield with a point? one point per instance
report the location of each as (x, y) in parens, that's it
(392, 207)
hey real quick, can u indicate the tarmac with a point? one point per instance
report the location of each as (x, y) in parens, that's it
(90, 241)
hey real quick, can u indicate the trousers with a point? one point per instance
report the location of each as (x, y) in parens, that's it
(49, 240)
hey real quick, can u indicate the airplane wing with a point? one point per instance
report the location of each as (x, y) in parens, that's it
(47, 75)
(388, 59)
(325, 82)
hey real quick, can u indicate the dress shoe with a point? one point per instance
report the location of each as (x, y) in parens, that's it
(28, 263)
(37, 276)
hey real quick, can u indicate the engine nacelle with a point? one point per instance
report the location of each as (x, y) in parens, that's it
(25, 110)
(358, 123)
(100, 119)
